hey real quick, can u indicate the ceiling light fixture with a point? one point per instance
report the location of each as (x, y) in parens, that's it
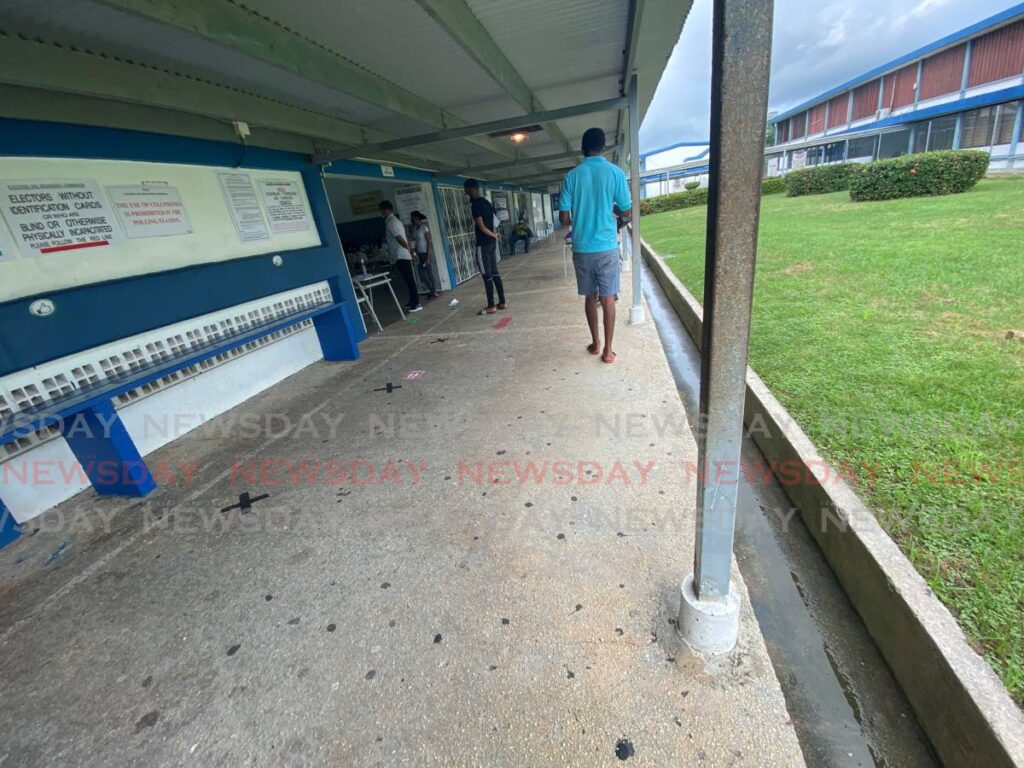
(518, 137)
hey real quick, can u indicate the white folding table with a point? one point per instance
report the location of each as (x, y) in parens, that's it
(365, 284)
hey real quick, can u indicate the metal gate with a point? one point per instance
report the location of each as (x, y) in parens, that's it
(460, 232)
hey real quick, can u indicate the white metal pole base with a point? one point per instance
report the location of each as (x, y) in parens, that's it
(637, 315)
(708, 627)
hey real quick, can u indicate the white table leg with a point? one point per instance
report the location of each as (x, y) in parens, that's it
(397, 302)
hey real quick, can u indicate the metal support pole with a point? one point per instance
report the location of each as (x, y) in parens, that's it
(636, 311)
(741, 54)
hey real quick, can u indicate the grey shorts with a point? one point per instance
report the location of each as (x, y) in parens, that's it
(597, 273)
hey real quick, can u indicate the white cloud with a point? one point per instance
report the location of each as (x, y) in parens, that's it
(923, 8)
(836, 34)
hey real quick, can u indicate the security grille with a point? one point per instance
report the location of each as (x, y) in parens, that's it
(459, 228)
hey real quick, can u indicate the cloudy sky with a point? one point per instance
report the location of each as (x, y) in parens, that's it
(816, 46)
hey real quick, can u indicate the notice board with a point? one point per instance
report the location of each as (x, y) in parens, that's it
(68, 222)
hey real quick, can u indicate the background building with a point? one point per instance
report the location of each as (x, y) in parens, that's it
(963, 91)
(669, 169)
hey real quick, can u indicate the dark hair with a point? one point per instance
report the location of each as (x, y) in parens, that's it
(417, 215)
(385, 205)
(471, 184)
(593, 140)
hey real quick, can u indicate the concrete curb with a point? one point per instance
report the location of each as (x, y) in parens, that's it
(961, 703)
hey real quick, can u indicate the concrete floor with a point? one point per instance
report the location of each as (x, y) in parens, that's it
(429, 616)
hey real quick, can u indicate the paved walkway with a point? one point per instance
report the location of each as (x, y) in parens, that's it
(480, 567)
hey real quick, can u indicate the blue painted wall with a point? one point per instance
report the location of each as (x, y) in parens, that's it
(102, 312)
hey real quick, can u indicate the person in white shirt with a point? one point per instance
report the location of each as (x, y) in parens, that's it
(424, 247)
(400, 252)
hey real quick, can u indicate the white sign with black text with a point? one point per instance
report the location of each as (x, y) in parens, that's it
(244, 206)
(285, 204)
(53, 215)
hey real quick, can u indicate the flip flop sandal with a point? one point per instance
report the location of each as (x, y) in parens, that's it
(503, 306)
(488, 311)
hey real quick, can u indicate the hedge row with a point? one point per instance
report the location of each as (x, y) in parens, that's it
(694, 196)
(927, 173)
(674, 201)
(819, 180)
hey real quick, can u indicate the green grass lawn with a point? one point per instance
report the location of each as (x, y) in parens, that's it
(883, 328)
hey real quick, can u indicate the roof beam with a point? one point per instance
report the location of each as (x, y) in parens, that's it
(40, 65)
(235, 27)
(636, 9)
(556, 173)
(513, 165)
(524, 161)
(457, 19)
(449, 134)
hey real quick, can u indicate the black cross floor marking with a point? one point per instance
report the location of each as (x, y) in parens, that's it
(439, 340)
(389, 388)
(245, 502)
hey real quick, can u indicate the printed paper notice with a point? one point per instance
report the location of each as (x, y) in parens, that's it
(285, 204)
(53, 215)
(150, 210)
(244, 207)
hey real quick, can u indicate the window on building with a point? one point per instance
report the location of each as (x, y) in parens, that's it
(893, 144)
(978, 125)
(1005, 120)
(989, 126)
(941, 133)
(813, 155)
(834, 152)
(863, 147)
(920, 137)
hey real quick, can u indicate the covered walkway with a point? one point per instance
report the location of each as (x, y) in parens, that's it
(480, 566)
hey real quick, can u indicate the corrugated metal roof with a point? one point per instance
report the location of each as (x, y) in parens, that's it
(395, 39)
(91, 26)
(567, 52)
(550, 42)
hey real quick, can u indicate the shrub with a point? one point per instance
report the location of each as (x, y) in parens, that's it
(819, 179)
(674, 201)
(927, 173)
(691, 185)
(773, 185)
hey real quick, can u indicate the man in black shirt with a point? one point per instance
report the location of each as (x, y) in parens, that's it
(486, 244)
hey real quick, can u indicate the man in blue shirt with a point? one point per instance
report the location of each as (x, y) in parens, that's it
(590, 193)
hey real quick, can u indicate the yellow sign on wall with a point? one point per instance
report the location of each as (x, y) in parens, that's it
(365, 203)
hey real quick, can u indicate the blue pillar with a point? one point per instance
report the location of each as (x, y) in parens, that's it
(9, 529)
(323, 218)
(107, 452)
(334, 329)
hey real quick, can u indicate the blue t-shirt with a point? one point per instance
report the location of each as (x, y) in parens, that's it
(589, 191)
